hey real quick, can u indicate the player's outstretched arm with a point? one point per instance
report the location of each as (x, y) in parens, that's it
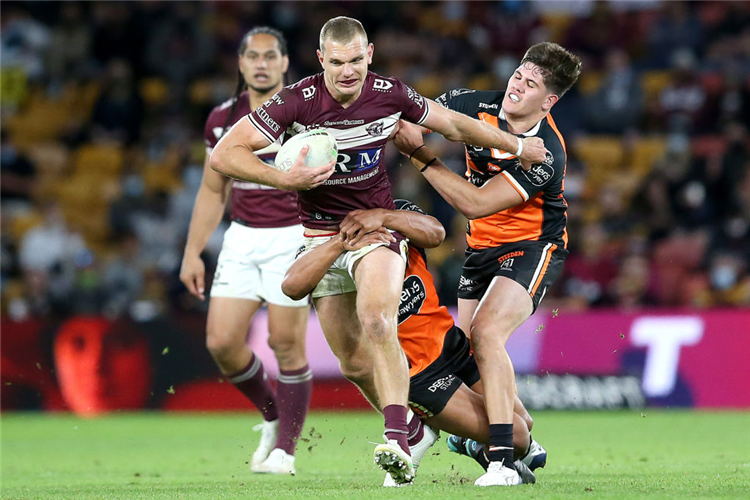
(234, 157)
(310, 267)
(471, 201)
(207, 213)
(423, 230)
(459, 127)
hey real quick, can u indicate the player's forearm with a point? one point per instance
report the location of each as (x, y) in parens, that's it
(239, 162)
(457, 191)
(307, 271)
(478, 133)
(207, 214)
(422, 230)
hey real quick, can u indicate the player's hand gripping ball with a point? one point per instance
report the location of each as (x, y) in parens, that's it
(323, 150)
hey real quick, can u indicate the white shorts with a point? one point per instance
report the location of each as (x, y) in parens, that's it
(339, 278)
(253, 261)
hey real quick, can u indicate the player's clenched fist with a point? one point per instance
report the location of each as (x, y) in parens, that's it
(533, 151)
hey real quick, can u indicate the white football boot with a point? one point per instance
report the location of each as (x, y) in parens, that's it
(278, 462)
(418, 451)
(269, 431)
(395, 461)
(497, 475)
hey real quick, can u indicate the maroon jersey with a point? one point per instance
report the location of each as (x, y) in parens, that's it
(253, 204)
(361, 131)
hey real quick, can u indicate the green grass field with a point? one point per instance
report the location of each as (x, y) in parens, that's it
(155, 455)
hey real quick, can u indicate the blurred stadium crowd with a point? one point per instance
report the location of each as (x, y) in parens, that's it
(103, 106)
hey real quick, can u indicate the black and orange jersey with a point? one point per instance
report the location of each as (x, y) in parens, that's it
(542, 215)
(422, 321)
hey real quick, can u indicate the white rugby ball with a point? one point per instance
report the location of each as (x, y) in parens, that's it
(323, 150)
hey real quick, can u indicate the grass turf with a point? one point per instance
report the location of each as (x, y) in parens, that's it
(155, 455)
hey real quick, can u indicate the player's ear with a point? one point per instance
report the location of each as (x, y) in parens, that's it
(370, 51)
(549, 101)
(320, 57)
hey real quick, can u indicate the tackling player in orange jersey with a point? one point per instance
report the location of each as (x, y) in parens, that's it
(517, 232)
(444, 388)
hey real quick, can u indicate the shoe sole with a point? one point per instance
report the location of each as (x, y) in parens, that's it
(390, 462)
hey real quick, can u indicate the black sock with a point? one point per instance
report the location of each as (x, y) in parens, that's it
(480, 455)
(500, 448)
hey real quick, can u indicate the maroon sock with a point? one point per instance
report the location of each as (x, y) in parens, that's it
(416, 429)
(252, 381)
(395, 425)
(293, 392)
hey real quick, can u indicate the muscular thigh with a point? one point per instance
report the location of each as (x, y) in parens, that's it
(338, 319)
(504, 307)
(379, 276)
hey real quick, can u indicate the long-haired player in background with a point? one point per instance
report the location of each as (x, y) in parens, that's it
(258, 248)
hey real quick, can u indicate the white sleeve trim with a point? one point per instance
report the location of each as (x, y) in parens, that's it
(260, 129)
(516, 185)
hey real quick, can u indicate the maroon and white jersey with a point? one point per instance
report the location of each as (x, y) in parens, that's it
(253, 204)
(361, 130)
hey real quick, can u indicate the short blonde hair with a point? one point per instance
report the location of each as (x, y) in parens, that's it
(341, 29)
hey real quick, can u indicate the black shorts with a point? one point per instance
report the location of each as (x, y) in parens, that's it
(432, 388)
(535, 265)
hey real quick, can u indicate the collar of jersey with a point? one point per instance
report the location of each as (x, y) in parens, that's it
(533, 131)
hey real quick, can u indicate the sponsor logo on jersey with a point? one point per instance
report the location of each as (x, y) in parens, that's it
(375, 129)
(275, 99)
(541, 173)
(442, 384)
(413, 295)
(320, 216)
(308, 92)
(442, 100)
(491, 167)
(357, 160)
(487, 106)
(348, 123)
(382, 85)
(266, 118)
(466, 284)
(458, 92)
(415, 96)
(507, 260)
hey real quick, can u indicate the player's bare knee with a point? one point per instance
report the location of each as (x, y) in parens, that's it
(357, 374)
(221, 347)
(378, 328)
(286, 349)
